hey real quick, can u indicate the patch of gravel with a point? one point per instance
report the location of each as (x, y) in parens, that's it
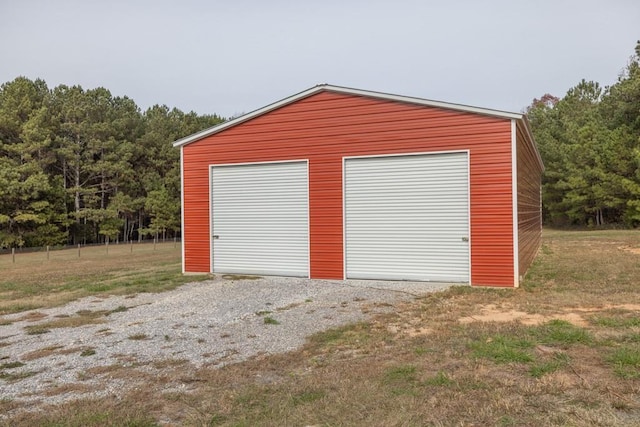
(211, 323)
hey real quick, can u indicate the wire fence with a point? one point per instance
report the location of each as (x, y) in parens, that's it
(48, 250)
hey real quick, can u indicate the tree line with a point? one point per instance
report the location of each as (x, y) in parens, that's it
(589, 141)
(84, 166)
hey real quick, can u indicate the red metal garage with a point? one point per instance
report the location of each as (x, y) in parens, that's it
(338, 183)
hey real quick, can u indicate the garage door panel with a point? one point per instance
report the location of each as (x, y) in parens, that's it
(261, 219)
(407, 217)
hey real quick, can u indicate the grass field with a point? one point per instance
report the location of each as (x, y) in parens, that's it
(564, 349)
(33, 281)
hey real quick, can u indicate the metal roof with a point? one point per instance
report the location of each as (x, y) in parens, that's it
(349, 91)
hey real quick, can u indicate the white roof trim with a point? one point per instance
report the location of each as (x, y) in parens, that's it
(325, 87)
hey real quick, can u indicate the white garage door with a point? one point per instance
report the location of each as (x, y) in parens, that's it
(260, 219)
(407, 217)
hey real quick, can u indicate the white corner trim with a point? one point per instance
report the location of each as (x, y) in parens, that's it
(308, 219)
(211, 231)
(182, 240)
(344, 220)
(514, 198)
(469, 215)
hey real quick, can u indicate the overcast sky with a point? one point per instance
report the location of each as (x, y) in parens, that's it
(234, 56)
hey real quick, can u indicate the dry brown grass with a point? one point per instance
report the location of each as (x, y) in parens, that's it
(85, 317)
(42, 352)
(34, 282)
(422, 365)
(32, 316)
(67, 388)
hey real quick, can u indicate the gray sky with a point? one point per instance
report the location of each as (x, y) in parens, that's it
(234, 56)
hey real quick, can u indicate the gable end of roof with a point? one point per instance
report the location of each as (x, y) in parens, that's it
(349, 91)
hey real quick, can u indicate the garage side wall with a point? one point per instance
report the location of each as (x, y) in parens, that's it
(328, 126)
(529, 201)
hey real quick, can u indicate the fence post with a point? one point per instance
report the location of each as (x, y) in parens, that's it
(131, 246)
(47, 252)
(13, 254)
(78, 250)
(154, 243)
(107, 245)
(174, 242)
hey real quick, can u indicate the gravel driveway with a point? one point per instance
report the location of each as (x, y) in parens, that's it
(210, 323)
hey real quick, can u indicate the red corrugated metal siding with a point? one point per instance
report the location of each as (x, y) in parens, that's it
(196, 212)
(529, 204)
(328, 126)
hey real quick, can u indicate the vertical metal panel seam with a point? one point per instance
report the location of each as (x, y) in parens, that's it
(183, 240)
(514, 199)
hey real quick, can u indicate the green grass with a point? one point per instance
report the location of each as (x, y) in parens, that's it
(403, 373)
(16, 376)
(517, 345)
(268, 320)
(306, 397)
(631, 338)
(119, 309)
(401, 380)
(503, 349)
(37, 329)
(345, 336)
(138, 337)
(562, 333)
(11, 365)
(441, 379)
(616, 321)
(542, 368)
(626, 362)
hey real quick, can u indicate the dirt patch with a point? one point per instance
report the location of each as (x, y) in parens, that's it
(629, 307)
(493, 313)
(573, 318)
(630, 249)
(409, 330)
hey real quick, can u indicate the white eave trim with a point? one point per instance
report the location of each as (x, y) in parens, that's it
(421, 101)
(350, 91)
